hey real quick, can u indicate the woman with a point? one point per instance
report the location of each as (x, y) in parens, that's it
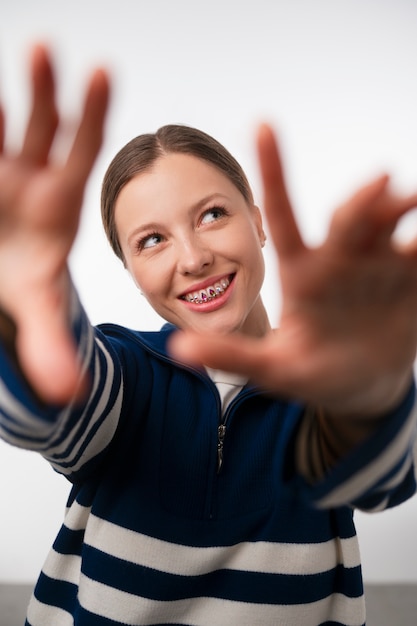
(201, 497)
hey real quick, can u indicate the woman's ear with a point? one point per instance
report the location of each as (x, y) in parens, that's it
(259, 225)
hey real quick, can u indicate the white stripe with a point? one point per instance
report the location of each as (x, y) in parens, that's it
(106, 430)
(101, 439)
(132, 610)
(24, 419)
(40, 614)
(62, 445)
(261, 556)
(65, 567)
(397, 478)
(387, 487)
(29, 424)
(77, 516)
(367, 476)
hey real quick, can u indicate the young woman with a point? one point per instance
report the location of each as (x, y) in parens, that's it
(215, 463)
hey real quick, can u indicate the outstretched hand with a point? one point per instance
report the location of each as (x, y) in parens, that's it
(40, 203)
(348, 330)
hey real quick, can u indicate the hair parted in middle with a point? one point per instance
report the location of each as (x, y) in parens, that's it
(139, 154)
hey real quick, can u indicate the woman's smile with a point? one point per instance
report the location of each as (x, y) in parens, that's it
(203, 294)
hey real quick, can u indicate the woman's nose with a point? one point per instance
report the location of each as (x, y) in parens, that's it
(193, 257)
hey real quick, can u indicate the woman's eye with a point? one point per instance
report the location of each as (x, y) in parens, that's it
(149, 241)
(212, 215)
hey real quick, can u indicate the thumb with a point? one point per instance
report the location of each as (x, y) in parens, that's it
(233, 353)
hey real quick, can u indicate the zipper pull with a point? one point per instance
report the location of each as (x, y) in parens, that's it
(221, 432)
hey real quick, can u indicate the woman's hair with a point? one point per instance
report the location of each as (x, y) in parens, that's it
(140, 154)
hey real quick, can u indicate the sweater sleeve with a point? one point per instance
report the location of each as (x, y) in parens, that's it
(74, 437)
(377, 474)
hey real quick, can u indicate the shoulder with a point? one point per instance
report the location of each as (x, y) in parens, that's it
(121, 337)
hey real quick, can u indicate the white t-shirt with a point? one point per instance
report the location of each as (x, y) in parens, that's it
(228, 385)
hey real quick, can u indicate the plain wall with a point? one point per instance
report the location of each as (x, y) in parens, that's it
(337, 79)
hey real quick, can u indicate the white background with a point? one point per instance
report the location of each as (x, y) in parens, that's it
(337, 79)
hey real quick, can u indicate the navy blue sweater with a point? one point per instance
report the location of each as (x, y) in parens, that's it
(156, 534)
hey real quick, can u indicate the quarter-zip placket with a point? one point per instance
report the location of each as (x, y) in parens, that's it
(221, 433)
(223, 423)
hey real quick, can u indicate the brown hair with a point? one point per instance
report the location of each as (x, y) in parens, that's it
(139, 155)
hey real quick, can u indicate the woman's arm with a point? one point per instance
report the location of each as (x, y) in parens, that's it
(59, 383)
(347, 337)
(40, 204)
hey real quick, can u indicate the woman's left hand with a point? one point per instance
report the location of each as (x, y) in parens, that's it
(347, 334)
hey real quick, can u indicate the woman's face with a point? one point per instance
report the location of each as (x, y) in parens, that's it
(193, 246)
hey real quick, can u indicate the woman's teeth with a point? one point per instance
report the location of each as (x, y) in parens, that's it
(204, 295)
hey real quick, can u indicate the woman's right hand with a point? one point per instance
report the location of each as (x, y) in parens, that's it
(40, 204)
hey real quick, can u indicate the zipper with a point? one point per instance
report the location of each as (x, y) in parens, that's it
(221, 433)
(222, 427)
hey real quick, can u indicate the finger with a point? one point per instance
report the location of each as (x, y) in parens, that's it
(238, 354)
(278, 210)
(2, 130)
(370, 216)
(89, 135)
(351, 226)
(405, 204)
(407, 249)
(43, 119)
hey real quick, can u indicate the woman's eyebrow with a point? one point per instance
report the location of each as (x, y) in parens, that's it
(212, 196)
(155, 226)
(149, 227)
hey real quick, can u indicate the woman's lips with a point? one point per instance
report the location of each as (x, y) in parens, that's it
(201, 296)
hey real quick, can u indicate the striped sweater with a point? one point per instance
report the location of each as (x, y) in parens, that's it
(157, 533)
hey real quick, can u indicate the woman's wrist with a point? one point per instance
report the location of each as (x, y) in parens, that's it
(377, 401)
